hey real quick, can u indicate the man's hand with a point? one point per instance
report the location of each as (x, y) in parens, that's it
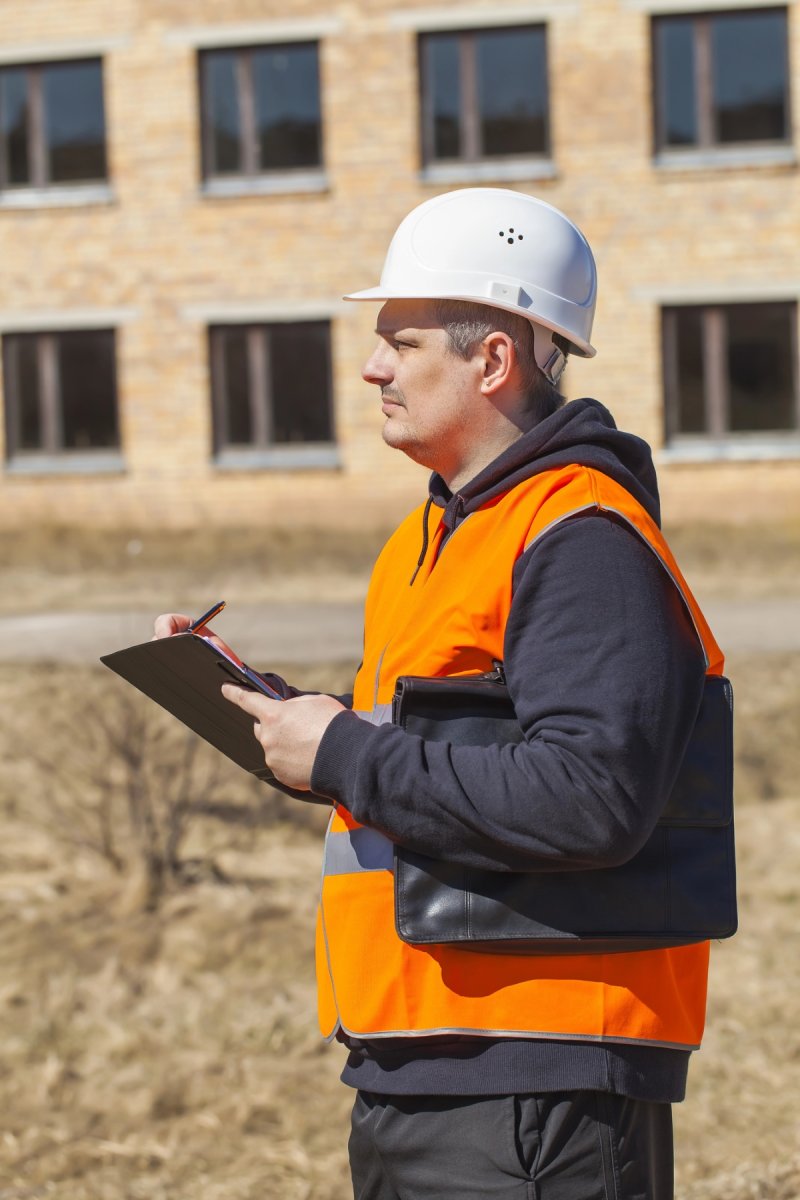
(169, 624)
(289, 731)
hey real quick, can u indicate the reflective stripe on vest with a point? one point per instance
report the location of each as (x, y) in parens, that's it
(378, 715)
(452, 622)
(348, 851)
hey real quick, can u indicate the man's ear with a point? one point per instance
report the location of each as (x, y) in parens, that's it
(499, 361)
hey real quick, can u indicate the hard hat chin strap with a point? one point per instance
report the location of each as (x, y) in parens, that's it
(549, 359)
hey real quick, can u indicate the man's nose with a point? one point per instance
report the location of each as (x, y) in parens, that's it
(376, 368)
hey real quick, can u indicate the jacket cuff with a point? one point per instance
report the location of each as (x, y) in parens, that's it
(335, 766)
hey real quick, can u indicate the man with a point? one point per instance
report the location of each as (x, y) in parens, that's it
(496, 1074)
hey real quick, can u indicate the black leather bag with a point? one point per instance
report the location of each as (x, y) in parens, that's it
(679, 888)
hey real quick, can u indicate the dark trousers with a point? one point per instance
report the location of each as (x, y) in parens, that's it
(551, 1146)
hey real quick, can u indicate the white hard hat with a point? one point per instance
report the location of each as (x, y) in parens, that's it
(502, 248)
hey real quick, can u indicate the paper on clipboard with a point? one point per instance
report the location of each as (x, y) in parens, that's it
(247, 676)
(185, 674)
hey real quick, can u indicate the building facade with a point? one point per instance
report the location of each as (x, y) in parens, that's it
(187, 190)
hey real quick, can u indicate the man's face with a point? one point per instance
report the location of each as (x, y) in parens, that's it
(431, 397)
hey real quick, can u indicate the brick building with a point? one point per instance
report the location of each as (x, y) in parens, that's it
(187, 189)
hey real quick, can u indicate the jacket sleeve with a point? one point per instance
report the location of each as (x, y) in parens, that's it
(606, 674)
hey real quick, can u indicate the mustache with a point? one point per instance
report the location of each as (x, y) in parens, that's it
(393, 395)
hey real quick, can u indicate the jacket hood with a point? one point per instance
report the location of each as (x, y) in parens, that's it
(582, 431)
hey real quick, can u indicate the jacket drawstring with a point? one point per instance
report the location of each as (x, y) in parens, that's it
(424, 549)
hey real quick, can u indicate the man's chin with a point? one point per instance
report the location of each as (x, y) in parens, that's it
(399, 437)
(393, 434)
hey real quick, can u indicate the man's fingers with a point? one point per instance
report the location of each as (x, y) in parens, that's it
(168, 624)
(251, 702)
(237, 695)
(289, 732)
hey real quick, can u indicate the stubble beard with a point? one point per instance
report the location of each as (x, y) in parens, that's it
(393, 432)
(399, 433)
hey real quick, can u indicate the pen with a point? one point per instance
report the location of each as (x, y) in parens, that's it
(206, 617)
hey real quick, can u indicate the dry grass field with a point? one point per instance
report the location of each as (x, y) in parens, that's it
(55, 569)
(159, 1040)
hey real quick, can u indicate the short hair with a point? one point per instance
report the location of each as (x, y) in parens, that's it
(467, 324)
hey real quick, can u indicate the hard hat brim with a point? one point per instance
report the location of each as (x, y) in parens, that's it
(581, 348)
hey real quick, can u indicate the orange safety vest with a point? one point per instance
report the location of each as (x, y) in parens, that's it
(451, 622)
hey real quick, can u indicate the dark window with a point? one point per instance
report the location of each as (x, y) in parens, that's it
(484, 94)
(271, 385)
(60, 392)
(52, 124)
(14, 122)
(730, 369)
(260, 109)
(721, 78)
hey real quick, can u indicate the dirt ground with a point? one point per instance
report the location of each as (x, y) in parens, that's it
(171, 1052)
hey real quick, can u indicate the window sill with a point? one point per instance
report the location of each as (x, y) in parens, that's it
(726, 158)
(744, 448)
(314, 456)
(279, 184)
(505, 170)
(75, 196)
(90, 463)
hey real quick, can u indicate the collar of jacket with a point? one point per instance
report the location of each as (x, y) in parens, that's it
(581, 431)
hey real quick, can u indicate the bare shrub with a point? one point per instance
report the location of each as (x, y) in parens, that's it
(104, 769)
(118, 777)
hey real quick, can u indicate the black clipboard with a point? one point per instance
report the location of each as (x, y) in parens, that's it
(184, 674)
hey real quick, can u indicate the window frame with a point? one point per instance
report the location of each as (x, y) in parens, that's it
(469, 113)
(716, 397)
(39, 180)
(51, 453)
(708, 143)
(263, 452)
(250, 173)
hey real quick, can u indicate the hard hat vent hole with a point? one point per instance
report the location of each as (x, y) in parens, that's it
(509, 238)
